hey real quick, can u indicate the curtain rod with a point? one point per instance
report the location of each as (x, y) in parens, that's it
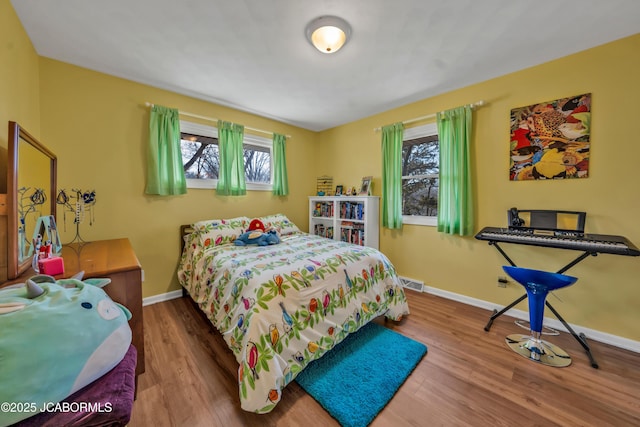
(429, 116)
(212, 119)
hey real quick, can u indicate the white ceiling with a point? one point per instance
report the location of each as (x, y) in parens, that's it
(252, 55)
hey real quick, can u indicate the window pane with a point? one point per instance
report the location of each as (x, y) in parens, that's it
(420, 196)
(420, 171)
(257, 164)
(200, 157)
(420, 156)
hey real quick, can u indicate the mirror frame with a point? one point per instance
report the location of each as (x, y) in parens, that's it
(16, 133)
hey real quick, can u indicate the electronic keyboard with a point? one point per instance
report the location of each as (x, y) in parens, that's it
(592, 243)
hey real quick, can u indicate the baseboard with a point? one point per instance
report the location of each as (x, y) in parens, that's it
(591, 334)
(161, 297)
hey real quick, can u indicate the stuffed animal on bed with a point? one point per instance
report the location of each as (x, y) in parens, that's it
(256, 234)
(57, 337)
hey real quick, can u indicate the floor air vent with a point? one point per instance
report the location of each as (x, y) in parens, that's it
(414, 284)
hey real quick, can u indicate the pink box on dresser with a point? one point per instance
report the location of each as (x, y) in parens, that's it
(51, 266)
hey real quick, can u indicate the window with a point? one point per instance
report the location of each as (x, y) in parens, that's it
(200, 157)
(257, 163)
(420, 175)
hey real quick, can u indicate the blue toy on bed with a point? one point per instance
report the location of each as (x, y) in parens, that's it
(257, 235)
(57, 337)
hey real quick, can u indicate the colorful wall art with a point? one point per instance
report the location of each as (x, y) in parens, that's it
(551, 140)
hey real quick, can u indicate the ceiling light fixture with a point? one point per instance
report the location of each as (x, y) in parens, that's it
(328, 33)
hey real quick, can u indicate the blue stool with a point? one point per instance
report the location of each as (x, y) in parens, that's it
(538, 284)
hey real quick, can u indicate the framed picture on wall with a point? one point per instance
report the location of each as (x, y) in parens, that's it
(365, 187)
(551, 140)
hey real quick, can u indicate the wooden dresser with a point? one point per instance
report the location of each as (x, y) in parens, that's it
(116, 260)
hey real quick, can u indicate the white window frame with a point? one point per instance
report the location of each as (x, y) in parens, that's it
(429, 129)
(212, 131)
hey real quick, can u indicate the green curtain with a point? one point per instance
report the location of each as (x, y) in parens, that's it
(455, 195)
(392, 136)
(280, 180)
(230, 147)
(165, 174)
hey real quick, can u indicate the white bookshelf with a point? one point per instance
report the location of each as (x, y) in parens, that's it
(354, 219)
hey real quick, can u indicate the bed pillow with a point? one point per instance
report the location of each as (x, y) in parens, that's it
(216, 232)
(281, 223)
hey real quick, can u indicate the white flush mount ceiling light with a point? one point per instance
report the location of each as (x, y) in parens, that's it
(328, 33)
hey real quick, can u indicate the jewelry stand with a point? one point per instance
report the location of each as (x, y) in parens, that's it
(77, 204)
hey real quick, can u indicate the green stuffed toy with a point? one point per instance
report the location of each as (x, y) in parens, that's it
(257, 235)
(56, 338)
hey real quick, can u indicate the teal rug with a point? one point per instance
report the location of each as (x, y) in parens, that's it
(357, 379)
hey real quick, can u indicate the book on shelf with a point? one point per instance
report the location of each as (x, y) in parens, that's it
(323, 209)
(323, 231)
(352, 210)
(352, 233)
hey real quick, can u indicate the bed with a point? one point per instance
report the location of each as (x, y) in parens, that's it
(279, 307)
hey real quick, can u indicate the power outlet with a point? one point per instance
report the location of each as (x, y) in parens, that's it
(502, 282)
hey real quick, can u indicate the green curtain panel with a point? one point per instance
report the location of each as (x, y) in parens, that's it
(392, 136)
(455, 195)
(231, 175)
(280, 180)
(165, 174)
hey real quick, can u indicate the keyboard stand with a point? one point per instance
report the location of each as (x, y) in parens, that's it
(581, 338)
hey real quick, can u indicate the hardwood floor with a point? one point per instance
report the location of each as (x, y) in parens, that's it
(469, 377)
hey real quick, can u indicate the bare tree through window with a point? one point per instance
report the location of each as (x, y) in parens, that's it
(420, 169)
(201, 159)
(199, 156)
(257, 164)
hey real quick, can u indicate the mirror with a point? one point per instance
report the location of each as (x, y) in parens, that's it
(31, 193)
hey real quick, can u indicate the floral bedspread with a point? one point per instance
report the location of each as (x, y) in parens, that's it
(280, 307)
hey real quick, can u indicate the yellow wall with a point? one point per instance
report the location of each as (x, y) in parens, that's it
(98, 127)
(19, 85)
(19, 96)
(605, 298)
